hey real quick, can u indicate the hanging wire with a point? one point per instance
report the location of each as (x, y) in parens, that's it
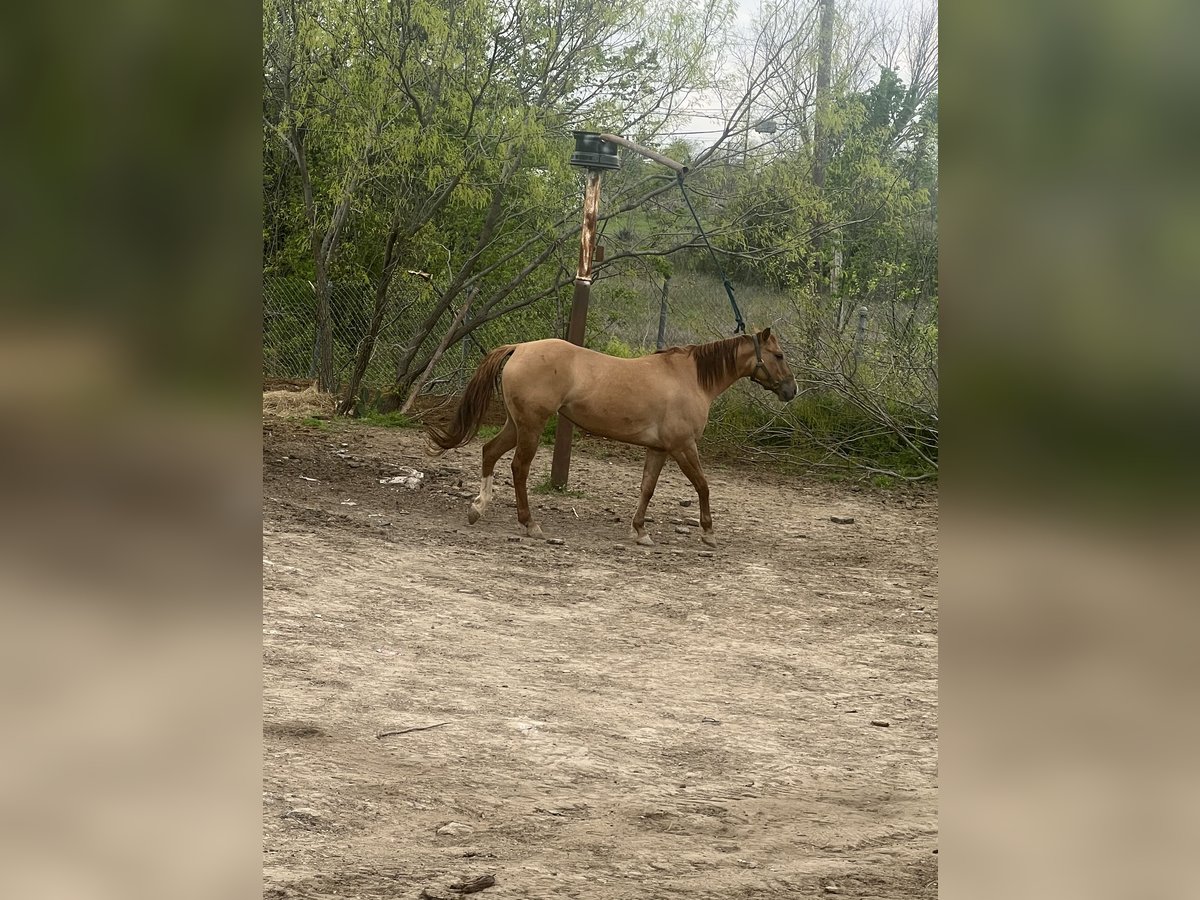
(737, 313)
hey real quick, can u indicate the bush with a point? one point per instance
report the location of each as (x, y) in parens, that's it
(617, 347)
(823, 430)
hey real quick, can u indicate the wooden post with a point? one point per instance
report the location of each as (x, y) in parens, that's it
(560, 468)
(662, 315)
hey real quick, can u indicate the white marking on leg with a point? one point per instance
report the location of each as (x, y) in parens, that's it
(480, 504)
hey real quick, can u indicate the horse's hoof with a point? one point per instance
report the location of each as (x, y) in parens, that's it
(708, 539)
(645, 540)
(534, 531)
(473, 515)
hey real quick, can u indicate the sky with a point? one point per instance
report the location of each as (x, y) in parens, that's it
(706, 123)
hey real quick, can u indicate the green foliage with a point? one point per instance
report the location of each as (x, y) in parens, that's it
(430, 141)
(617, 347)
(389, 420)
(545, 487)
(313, 422)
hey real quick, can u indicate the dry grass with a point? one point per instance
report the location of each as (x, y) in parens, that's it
(308, 402)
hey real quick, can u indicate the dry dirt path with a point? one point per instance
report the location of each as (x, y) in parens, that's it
(620, 721)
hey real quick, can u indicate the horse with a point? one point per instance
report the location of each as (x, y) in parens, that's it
(660, 402)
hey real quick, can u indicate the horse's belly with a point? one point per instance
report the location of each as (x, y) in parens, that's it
(612, 423)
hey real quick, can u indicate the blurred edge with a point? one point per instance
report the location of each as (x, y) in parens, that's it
(130, 273)
(1070, 222)
(129, 377)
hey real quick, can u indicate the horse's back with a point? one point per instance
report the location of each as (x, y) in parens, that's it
(625, 399)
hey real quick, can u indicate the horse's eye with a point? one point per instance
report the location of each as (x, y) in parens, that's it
(779, 356)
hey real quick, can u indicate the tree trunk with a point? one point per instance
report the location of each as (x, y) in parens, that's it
(437, 354)
(404, 375)
(322, 243)
(366, 347)
(820, 166)
(323, 338)
(820, 124)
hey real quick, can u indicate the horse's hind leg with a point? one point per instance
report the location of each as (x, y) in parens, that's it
(527, 444)
(689, 463)
(654, 464)
(492, 451)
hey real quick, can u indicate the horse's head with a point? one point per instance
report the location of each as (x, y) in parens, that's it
(771, 369)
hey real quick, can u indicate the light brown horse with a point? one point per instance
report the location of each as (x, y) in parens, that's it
(659, 402)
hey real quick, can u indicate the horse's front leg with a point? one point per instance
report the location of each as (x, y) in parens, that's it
(688, 459)
(654, 464)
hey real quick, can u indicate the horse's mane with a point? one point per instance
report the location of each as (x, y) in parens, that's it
(715, 361)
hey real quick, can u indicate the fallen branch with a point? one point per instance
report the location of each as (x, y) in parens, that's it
(384, 734)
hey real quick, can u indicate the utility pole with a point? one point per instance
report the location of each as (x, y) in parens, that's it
(594, 152)
(595, 155)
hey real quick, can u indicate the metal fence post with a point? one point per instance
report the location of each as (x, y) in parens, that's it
(662, 315)
(860, 335)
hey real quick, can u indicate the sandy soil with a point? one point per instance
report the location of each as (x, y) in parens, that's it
(612, 721)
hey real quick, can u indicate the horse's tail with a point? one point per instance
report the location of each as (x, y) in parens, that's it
(474, 403)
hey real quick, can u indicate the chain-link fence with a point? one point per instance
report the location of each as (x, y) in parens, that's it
(862, 374)
(625, 317)
(289, 332)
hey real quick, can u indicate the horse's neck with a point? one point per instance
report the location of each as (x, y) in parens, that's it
(744, 367)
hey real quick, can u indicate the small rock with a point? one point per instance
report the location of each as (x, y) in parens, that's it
(649, 520)
(557, 542)
(454, 829)
(474, 885)
(514, 538)
(707, 554)
(676, 521)
(685, 502)
(682, 529)
(832, 889)
(842, 520)
(303, 814)
(693, 521)
(880, 723)
(618, 546)
(709, 720)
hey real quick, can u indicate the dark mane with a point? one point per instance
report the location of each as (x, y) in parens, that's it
(715, 361)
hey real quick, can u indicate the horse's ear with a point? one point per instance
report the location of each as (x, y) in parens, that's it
(765, 334)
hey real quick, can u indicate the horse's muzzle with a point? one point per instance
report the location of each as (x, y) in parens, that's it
(787, 390)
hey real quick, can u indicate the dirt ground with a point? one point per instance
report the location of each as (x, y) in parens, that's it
(612, 721)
